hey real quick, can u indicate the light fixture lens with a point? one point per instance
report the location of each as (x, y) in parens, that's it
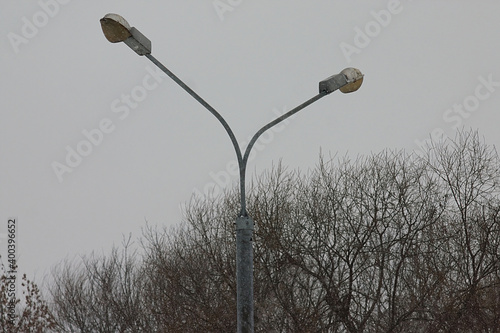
(115, 28)
(354, 79)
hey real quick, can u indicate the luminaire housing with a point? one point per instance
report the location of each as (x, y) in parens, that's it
(116, 29)
(349, 80)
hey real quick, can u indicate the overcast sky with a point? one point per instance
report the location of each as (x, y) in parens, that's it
(94, 142)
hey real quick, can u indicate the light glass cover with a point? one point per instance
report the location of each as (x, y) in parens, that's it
(354, 78)
(115, 28)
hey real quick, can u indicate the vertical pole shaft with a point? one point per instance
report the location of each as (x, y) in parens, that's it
(244, 274)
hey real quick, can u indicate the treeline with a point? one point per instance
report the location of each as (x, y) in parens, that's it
(386, 243)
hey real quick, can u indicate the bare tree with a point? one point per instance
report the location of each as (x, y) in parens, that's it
(387, 243)
(100, 294)
(469, 172)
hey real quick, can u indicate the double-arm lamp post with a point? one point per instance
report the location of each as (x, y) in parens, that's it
(116, 29)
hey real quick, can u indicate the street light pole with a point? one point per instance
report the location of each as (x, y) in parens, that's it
(116, 29)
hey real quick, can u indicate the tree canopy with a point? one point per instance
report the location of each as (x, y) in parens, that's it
(391, 242)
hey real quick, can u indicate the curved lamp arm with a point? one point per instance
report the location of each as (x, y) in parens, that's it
(258, 134)
(241, 160)
(202, 102)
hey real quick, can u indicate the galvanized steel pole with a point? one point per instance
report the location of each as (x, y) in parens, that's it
(244, 274)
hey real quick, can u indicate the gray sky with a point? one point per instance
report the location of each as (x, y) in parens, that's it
(430, 67)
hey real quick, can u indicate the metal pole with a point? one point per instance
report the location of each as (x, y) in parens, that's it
(244, 274)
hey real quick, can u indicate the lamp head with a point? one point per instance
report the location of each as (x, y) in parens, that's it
(354, 79)
(115, 28)
(347, 81)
